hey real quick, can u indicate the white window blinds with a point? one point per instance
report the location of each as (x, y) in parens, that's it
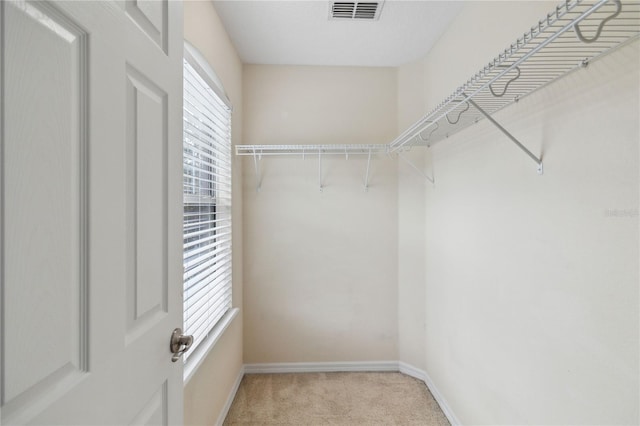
(207, 205)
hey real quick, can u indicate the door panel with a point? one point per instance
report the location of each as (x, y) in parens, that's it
(91, 212)
(146, 213)
(151, 17)
(154, 411)
(45, 282)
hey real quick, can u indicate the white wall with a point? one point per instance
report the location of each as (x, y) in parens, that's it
(531, 284)
(208, 390)
(320, 267)
(411, 223)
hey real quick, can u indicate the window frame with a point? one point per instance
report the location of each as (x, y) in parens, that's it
(199, 353)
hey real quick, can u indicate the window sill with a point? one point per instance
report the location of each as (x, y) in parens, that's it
(201, 352)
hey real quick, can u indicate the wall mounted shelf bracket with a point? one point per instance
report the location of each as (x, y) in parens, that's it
(366, 177)
(416, 168)
(257, 157)
(320, 169)
(509, 135)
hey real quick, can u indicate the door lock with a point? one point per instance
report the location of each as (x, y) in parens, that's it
(180, 343)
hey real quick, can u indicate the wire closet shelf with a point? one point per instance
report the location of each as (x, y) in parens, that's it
(576, 33)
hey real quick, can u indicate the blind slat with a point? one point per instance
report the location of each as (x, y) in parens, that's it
(197, 301)
(202, 327)
(200, 234)
(196, 139)
(194, 289)
(196, 276)
(201, 255)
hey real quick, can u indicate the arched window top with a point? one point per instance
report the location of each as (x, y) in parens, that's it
(200, 64)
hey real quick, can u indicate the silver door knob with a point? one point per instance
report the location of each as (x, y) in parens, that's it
(180, 343)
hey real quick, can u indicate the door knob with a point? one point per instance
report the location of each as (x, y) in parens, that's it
(180, 343)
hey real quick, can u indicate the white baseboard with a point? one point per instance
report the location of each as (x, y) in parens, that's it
(412, 371)
(319, 367)
(441, 401)
(230, 398)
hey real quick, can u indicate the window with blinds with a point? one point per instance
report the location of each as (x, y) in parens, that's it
(207, 203)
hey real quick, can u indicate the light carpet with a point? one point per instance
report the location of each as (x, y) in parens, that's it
(334, 399)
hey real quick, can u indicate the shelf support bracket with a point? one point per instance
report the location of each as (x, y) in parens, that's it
(366, 177)
(414, 167)
(320, 169)
(509, 135)
(255, 165)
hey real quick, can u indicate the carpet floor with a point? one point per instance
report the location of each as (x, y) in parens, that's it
(345, 399)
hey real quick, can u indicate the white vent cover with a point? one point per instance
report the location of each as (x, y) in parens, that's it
(366, 10)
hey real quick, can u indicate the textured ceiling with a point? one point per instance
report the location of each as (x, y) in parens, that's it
(299, 32)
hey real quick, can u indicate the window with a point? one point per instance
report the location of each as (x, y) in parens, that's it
(207, 200)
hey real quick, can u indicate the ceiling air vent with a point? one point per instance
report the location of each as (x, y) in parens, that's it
(355, 10)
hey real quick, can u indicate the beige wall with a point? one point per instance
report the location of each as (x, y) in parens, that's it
(320, 267)
(209, 388)
(531, 284)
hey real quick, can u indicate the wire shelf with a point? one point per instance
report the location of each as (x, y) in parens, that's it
(260, 150)
(574, 34)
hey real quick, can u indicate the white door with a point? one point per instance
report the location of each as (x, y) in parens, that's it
(91, 170)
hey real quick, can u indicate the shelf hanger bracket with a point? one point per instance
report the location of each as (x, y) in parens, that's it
(509, 135)
(459, 115)
(366, 177)
(595, 38)
(506, 86)
(257, 167)
(426, 140)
